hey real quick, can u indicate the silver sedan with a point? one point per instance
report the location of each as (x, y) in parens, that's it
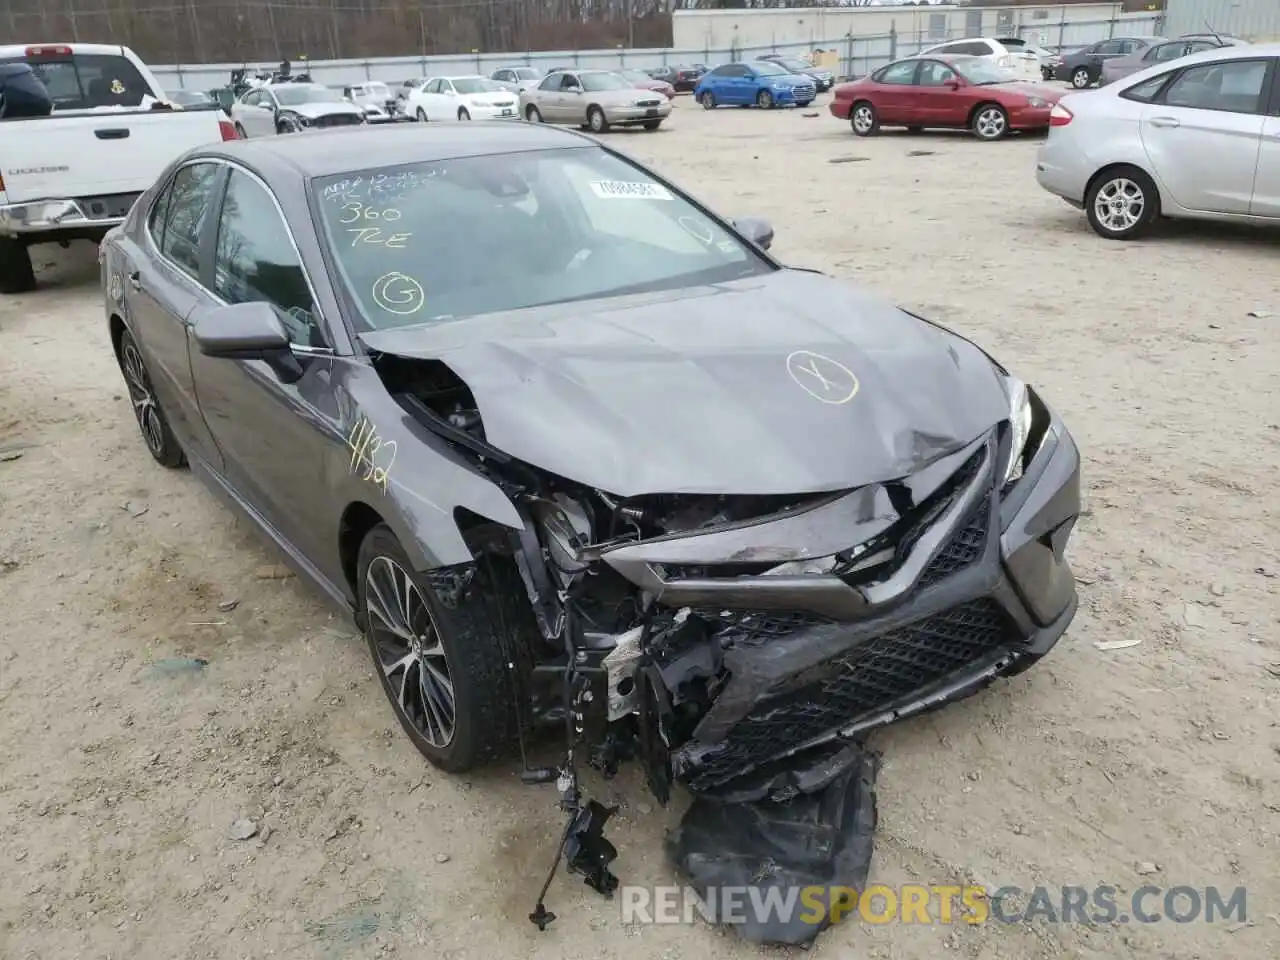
(1198, 138)
(596, 99)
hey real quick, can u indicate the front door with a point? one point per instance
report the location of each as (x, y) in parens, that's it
(273, 435)
(1204, 138)
(937, 104)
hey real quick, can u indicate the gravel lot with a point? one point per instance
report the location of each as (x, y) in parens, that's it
(123, 767)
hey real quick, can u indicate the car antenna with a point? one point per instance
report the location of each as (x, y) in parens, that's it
(1213, 32)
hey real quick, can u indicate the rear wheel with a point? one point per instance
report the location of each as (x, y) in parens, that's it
(1121, 203)
(533, 114)
(16, 273)
(864, 119)
(708, 100)
(1081, 78)
(161, 442)
(990, 122)
(439, 642)
(463, 114)
(764, 100)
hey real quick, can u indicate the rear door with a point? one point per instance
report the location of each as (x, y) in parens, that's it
(1266, 183)
(1204, 136)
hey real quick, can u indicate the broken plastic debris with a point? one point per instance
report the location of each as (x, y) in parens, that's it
(178, 665)
(1117, 644)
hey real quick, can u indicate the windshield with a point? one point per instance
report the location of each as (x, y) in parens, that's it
(475, 85)
(635, 76)
(769, 70)
(527, 73)
(291, 95)
(604, 81)
(438, 241)
(981, 71)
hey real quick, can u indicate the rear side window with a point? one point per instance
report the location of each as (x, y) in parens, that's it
(85, 80)
(902, 72)
(1146, 91)
(188, 206)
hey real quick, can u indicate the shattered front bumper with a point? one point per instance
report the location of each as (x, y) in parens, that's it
(982, 589)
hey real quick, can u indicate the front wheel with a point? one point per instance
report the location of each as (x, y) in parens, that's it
(422, 115)
(463, 114)
(864, 119)
(652, 124)
(764, 100)
(161, 443)
(596, 120)
(1080, 78)
(1122, 203)
(16, 273)
(708, 100)
(438, 645)
(990, 122)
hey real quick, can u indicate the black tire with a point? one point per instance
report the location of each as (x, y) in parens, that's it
(152, 423)
(652, 124)
(463, 114)
(532, 114)
(707, 99)
(16, 273)
(1081, 78)
(764, 100)
(1129, 201)
(464, 608)
(864, 119)
(421, 115)
(989, 121)
(597, 122)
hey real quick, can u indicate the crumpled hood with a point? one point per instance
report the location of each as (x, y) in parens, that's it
(744, 387)
(314, 110)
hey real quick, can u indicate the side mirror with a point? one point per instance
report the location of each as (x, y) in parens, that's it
(247, 331)
(953, 84)
(756, 229)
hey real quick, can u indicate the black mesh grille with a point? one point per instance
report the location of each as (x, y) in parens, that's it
(337, 120)
(756, 627)
(878, 672)
(964, 547)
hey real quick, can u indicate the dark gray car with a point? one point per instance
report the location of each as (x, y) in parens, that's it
(1082, 68)
(1160, 52)
(823, 78)
(575, 452)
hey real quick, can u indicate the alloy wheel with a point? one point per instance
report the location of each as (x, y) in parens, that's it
(1119, 205)
(1080, 79)
(863, 118)
(990, 123)
(143, 398)
(407, 642)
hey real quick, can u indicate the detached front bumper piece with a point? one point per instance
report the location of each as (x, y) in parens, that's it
(979, 587)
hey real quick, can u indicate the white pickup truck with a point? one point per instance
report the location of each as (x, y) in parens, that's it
(73, 175)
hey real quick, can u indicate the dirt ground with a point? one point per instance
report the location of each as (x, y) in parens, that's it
(124, 765)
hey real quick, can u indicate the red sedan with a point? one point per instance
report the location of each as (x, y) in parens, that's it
(960, 92)
(643, 81)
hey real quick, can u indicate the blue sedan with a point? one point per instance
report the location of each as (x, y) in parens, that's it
(766, 85)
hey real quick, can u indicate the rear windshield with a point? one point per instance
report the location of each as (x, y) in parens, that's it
(83, 81)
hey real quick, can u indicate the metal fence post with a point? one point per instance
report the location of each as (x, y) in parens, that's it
(848, 54)
(893, 40)
(1111, 27)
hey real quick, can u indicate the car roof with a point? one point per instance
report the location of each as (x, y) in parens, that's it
(326, 153)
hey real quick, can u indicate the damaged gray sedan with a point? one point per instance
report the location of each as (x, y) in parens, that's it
(578, 454)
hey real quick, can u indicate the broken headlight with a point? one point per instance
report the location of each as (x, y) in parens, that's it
(1020, 416)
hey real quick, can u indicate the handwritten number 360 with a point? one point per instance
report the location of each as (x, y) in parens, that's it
(353, 212)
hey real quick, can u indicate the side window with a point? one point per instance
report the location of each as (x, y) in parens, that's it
(432, 87)
(934, 73)
(159, 210)
(190, 199)
(1146, 91)
(1110, 47)
(1127, 47)
(720, 71)
(1199, 45)
(550, 83)
(976, 48)
(1169, 51)
(1234, 86)
(569, 81)
(446, 86)
(899, 73)
(255, 259)
(252, 99)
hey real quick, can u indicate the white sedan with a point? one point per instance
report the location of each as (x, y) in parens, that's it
(290, 107)
(1011, 53)
(461, 98)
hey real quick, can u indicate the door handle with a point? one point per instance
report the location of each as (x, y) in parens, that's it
(135, 280)
(1165, 122)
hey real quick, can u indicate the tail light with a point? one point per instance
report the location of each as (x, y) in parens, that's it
(1060, 116)
(228, 130)
(58, 50)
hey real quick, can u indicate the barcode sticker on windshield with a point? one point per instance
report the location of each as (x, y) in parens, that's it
(629, 190)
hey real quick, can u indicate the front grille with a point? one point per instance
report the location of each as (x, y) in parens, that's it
(647, 103)
(751, 628)
(964, 547)
(874, 674)
(336, 120)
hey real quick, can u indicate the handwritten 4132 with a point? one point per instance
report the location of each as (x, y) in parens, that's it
(372, 457)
